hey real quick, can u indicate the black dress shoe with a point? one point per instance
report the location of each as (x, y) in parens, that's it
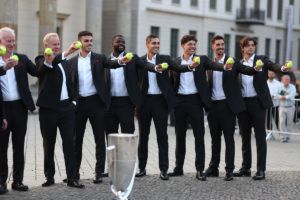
(98, 179)
(210, 172)
(260, 175)
(141, 173)
(65, 180)
(48, 183)
(3, 188)
(104, 175)
(75, 184)
(176, 172)
(242, 173)
(228, 176)
(19, 186)
(164, 175)
(201, 176)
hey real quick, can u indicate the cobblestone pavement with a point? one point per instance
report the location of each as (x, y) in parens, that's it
(278, 185)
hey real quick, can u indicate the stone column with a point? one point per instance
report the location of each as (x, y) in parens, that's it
(94, 22)
(48, 20)
(9, 14)
(124, 21)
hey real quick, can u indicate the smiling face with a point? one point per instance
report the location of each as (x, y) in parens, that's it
(8, 40)
(53, 42)
(189, 48)
(118, 44)
(87, 43)
(218, 47)
(153, 46)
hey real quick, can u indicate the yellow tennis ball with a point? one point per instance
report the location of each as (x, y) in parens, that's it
(2, 50)
(15, 57)
(230, 61)
(196, 59)
(165, 65)
(48, 51)
(289, 64)
(129, 56)
(259, 63)
(78, 45)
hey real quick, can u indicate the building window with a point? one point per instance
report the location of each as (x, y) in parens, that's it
(176, 1)
(154, 30)
(194, 33)
(256, 4)
(174, 42)
(228, 6)
(194, 3)
(227, 43)
(277, 54)
(243, 4)
(292, 2)
(279, 10)
(269, 9)
(213, 4)
(268, 47)
(210, 52)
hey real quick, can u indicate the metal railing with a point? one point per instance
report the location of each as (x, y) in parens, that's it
(250, 16)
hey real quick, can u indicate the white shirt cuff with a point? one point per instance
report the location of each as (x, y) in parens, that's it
(48, 65)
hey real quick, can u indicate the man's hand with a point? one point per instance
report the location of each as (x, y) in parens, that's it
(159, 68)
(9, 63)
(228, 67)
(282, 98)
(72, 48)
(4, 124)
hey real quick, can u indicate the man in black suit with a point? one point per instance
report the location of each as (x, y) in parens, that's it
(158, 100)
(17, 101)
(257, 99)
(56, 109)
(91, 96)
(227, 102)
(192, 96)
(124, 90)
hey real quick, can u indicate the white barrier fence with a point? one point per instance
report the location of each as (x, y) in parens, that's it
(273, 125)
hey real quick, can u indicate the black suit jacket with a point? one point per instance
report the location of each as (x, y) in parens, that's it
(98, 63)
(260, 80)
(163, 79)
(50, 82)
(200, 78)
(231, 86)
(24, 66)
(131, 71)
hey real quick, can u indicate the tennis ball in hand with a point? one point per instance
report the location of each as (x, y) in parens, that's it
(259, 64)
(230, 61)
(15, 57)
(129, 56)
(78, 45)
(289, 64)
(196, 59)
(2, 50)
(48, 51)
(164, 65)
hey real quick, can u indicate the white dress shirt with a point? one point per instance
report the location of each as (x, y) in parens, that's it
(248, 89)
(85, 77)
(152, 81)
(274, 87)
(217, 84)
(187, 83)
(117, 80)
(64, 91)
(9, 85)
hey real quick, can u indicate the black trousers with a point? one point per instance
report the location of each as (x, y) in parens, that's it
(254, 116)
(154, 107)
(90, 108)
(221, 120)
(121, 112)
(63, 118)
(272, 113)
(16, 115)
(189, 106)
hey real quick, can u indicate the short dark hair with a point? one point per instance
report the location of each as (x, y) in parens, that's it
(150, 37)
(116, 36)
(244, 41)
(217, 37)
(187, 38)
(84, 33)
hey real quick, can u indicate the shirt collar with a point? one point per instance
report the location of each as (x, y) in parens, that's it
(120, 55)
(87, 56)
(251, 59)
(221, 60)
(153, 58)
(190, 58)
